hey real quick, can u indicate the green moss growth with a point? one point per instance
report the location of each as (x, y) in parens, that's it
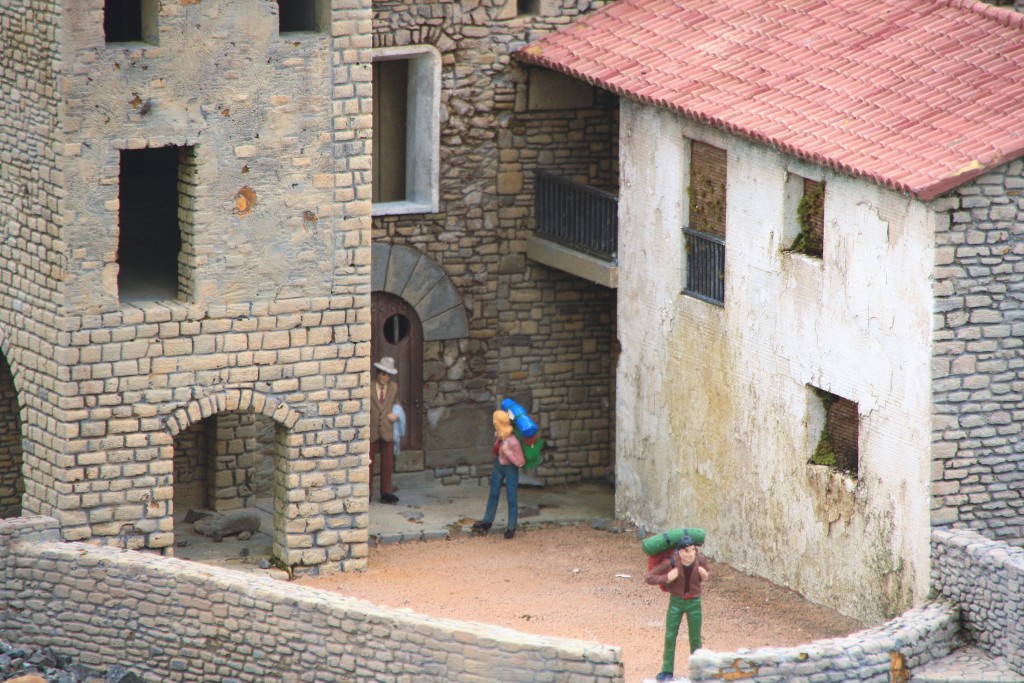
(825, 452)
(810, 240)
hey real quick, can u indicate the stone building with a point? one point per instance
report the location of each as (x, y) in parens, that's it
(469, 317)
(820, 299)
(203, 252)
(185, 197)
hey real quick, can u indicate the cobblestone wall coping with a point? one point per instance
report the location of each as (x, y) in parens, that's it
(174, 620)
(986, 578)
(913, 639)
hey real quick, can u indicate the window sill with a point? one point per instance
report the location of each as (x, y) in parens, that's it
(402, 208)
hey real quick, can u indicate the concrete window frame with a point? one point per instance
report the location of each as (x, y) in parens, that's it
(423, 129)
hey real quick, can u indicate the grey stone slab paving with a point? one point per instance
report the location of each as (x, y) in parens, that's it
(967, 665)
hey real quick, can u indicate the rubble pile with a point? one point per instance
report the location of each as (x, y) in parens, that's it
(22, 664)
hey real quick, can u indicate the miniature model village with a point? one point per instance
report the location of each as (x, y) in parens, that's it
(759, 263)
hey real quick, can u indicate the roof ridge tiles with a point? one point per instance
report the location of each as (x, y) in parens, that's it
(867, 91)
(1009, 18)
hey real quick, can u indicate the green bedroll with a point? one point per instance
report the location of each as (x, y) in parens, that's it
(659, 543)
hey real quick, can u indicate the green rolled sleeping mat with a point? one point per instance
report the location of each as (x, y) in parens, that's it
(659, 543)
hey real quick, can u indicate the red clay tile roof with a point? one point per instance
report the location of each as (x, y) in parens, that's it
(918, 95)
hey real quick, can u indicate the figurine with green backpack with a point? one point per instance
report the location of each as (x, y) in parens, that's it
(508, 458)
(678, 568)
(526, 430)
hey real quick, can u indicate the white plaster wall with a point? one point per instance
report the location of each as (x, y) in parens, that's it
(715, 419)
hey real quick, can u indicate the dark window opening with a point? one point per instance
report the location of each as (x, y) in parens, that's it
(390, 118)
(130, 21)
(295, 16)
(122, 20)
(149, 240)
(838, 445)
(396, 328)
(528, 7)
(12, 483)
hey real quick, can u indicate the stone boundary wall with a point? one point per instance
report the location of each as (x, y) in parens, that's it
(981, 583)
(171, 620)
(880, 654)
(986, 578)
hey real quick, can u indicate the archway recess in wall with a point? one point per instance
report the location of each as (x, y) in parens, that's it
(421, 283)
(12, 481)
(220, 433)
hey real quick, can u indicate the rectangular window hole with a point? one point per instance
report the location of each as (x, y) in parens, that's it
(810, 218)
(303, 16)
(528, 7)
(130, 21)
(838, 445)
(152, 182)
(390, 122)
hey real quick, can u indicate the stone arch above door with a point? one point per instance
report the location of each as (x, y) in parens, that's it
(408, 274)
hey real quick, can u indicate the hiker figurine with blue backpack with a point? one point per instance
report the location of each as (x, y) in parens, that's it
(680, 571)
(526, 430)
(508, 458)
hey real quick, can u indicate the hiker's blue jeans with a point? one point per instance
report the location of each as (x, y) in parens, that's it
(509, 476)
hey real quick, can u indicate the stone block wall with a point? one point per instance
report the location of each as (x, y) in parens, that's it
(879, 655)
(31, 203)
(271, 316)
(171, 620)
(543, 337)
(986, 578)
(978, 368)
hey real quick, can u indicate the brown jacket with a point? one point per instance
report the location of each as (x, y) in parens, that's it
(658, 576)
(382, 429)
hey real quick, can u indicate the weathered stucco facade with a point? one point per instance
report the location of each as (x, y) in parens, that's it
(717, 418)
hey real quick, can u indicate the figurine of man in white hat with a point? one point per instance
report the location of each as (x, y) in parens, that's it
(383, 394)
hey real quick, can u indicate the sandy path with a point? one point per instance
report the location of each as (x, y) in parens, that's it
(577, 582)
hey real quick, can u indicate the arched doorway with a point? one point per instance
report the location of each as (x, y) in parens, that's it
(397, 332)
(12, 484)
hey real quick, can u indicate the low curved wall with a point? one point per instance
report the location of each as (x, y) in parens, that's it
(913, 639)
(172, 620)
(986, 578)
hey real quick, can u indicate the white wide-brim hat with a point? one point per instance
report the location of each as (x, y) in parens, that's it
(386, 364)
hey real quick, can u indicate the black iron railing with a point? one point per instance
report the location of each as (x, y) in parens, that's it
(705, 266)
(576, 215)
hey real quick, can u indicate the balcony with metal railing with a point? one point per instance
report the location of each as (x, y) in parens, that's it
(577, 229)
(705, 266)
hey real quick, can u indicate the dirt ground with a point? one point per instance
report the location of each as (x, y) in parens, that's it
(582, 583)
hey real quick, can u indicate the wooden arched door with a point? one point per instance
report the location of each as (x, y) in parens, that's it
(397, 332)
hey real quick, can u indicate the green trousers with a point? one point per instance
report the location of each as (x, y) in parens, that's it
(676, 608)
